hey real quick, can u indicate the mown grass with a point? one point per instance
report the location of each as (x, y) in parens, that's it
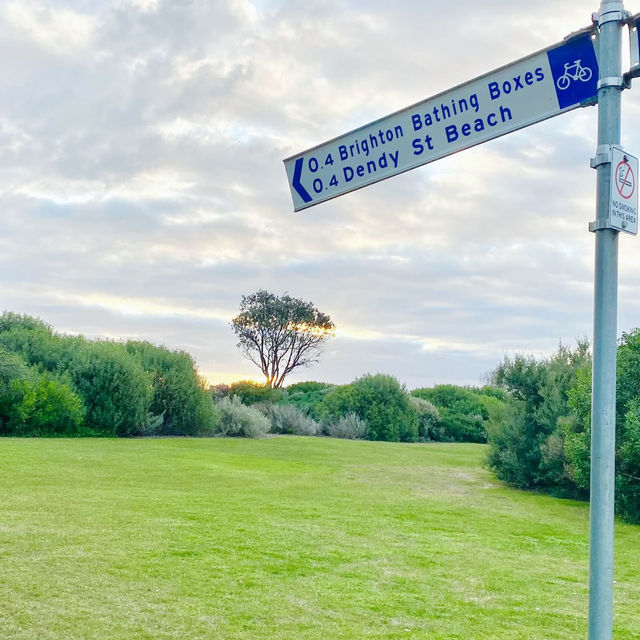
(288, 538)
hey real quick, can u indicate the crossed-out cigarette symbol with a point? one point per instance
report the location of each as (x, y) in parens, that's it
(625, 180)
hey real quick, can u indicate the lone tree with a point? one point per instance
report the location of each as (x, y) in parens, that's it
(279, 334)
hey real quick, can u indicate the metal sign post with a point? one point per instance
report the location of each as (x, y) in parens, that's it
(610, 18)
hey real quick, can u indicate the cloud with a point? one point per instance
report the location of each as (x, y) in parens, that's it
(60, 31)
(143, 190)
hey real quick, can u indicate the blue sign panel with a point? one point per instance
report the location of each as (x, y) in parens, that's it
(574, 68)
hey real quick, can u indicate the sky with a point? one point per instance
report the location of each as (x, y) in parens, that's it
(143, 190)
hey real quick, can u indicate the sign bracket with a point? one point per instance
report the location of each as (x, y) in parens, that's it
(604, 153)
(619, 81)
(603, 156)
(634, 45)
(613, 12)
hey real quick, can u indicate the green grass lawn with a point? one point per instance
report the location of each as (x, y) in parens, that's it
(288, 538)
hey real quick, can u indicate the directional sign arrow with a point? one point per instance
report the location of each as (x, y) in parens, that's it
(296, 184)
(542, 85)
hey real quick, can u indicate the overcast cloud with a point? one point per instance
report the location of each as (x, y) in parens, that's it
(143, 190)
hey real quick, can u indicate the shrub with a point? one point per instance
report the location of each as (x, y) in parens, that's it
(56, 409)
(34, 403)
(114, 390)
(13, 369)
(252, 392)
(462, 414)
(337, 403)
(381, 401)
(114, 387)
(236, 419)
(307, 396)
(122, 390)
(178, 393)
(308, 387)
(32, 339)
(212, 428)
(218, 391)
(508, 448)
(428, 418)
(288, 419)
(628, 467)
(578, 439)
(534, 449)
(350, 427)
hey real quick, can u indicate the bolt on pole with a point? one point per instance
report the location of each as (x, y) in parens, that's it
(610, 20)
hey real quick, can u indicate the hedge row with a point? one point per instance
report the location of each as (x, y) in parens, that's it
(57, 385)
(378, 407)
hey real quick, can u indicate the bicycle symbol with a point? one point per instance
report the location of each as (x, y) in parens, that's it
(573, 71)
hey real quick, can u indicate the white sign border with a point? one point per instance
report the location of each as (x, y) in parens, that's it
(616, 220)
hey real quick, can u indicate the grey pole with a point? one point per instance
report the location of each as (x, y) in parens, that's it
(603, 406)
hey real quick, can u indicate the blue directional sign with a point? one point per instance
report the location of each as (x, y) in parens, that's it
(540, 86)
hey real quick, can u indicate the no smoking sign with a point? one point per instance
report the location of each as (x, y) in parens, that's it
(624, 191)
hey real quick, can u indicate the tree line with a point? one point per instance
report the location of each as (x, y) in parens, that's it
(60, 385)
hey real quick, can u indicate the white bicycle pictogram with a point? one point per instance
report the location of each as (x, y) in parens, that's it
(573, 71)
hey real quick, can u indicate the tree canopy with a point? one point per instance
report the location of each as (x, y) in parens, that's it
(279, 334)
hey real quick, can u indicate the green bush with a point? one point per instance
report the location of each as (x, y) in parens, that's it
(236, 419)
(350, 427)
(122, 390)
(337, 403)
(114, 387)
(463, 416)
(14, 407)
(628, 467)
(428, 418)
(381, 401)
(495, 401)
(56, 410)
(179, 399)
(34, 403)
(252, 392)
(287, 419)
(533, 449)
(307, 396)
(578, 437)
(509, 448)
(33, 340)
